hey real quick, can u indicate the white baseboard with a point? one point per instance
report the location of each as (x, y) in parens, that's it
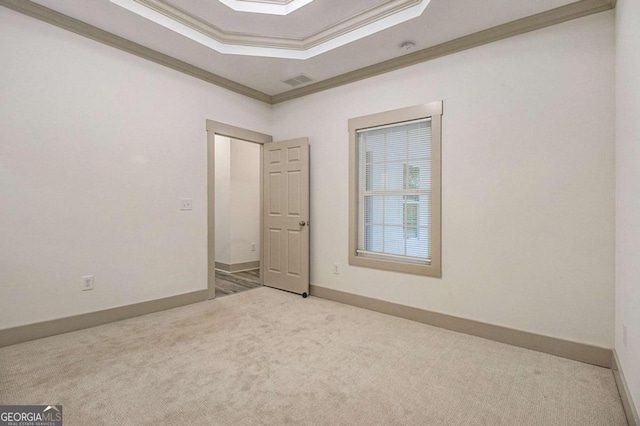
(630, 408)
(11, 336)
(563, 348)
(238, 267)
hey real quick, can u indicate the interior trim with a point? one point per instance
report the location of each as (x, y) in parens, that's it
(627, 402)
(58, 19)
(432, 111)
(270, 7)
(283, 2)
(571, 11)
(238, 267)
(558, 15)
(24, 333)
(234, 132)
(216, 128)
(550, 345)
(368, 22)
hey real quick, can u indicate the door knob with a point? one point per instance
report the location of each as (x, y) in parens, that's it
(302, 223)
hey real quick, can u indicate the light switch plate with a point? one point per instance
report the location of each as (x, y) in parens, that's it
(87, 282)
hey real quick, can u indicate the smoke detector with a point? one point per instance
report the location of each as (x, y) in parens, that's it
(407, 46)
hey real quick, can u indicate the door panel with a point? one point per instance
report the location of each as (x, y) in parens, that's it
(294, 208)
(274, 248)
(274, 192)
(294, 244)
(286, 215)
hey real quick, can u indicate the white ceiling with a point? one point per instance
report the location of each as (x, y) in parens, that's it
(305, 21)
(442, 20)
(320, 29)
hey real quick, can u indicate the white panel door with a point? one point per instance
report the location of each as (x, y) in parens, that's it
(286, 215)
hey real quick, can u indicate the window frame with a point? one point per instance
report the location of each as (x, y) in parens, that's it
(433, 111)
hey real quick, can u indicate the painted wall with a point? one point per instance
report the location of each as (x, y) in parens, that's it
(223, 199)
(628, 192)
(528, 180)
(245, 201)
(97, 147)
(237, 201)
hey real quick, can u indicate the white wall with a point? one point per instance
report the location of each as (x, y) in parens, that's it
(237, 201)
(628, 191)
(223, 199)
(97, 147)
(528, 180)
(245, 201)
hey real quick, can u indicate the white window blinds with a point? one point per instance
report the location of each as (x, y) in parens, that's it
(394, 191)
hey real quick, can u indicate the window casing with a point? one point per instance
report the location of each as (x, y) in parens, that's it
(395, 190)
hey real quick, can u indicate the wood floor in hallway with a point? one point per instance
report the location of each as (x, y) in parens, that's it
(237, 282)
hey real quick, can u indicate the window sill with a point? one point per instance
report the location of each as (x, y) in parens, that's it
(388, 265)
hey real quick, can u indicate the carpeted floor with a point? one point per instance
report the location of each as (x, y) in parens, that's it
(271, 357)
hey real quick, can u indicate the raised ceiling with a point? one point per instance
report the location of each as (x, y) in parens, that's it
(271, 7)
(222, 29)
(441, 22)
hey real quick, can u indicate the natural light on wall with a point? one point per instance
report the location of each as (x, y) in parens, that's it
(215, 38)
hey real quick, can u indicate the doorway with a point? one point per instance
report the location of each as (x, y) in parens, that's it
(241, 136)
(237, 211)
(284, 207)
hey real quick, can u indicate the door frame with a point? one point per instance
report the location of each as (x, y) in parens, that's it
(221, 129)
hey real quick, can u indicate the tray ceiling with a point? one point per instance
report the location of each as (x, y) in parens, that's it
(340, 26)
(441, 22)
(271, 7)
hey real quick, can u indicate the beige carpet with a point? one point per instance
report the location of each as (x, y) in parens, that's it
(270, 357)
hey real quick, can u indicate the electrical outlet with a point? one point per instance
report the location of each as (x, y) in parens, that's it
(624, 335)
(253, 246)
(87, 282)
(186, 204)
(336, 269)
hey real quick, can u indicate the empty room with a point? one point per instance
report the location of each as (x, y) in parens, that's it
(319, 212)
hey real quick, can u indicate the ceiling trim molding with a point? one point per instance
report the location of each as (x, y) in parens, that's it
(269, 7)
(197, 24)
(555, 16)
(551, 17)
(267, 1)
(371, 21)
(353, 23)
(58, 19)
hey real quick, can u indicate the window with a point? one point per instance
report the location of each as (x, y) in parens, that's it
(411, 181)
(395, 190)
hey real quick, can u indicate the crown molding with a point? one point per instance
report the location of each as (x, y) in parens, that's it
(345, 26)
(270, 7)
(217, 34)
(58, 19)
(551, 17)
(361, 25)
(282, 2)
(555, 16)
